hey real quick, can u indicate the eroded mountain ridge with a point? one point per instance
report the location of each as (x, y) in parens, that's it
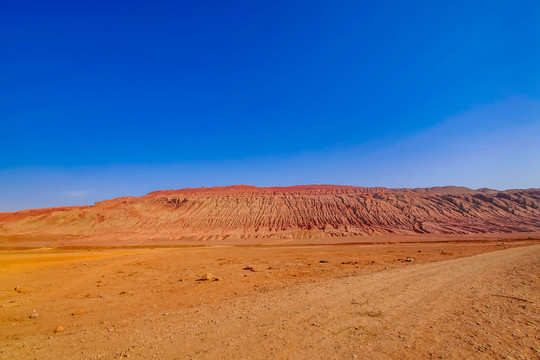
(244, 211)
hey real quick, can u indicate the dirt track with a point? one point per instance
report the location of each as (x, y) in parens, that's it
(480, 307)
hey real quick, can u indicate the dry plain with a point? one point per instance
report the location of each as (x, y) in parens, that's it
(449, 297)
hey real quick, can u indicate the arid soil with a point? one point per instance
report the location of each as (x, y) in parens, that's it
(243, 212)
(446, 299)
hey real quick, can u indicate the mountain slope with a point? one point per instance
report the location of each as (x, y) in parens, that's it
(299, 211)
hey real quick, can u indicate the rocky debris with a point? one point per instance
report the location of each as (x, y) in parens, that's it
(208, 277)
(250, 268)
(58, 329)
(349, 262)
(34, 315)
(409, 259)
(20, 289)
(324, 261)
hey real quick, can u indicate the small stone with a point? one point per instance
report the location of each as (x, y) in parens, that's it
(76, 313)
(20, 289)
(409, 259)
(207, 277)
(324, 261)
(59, 328)
(34, 315)
(249, 267)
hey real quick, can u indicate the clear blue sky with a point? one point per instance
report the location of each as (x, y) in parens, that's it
(100, 99)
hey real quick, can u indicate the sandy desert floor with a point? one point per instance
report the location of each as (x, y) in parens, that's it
(475, 299)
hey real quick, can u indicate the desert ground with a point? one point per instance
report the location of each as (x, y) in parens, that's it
(442, 297)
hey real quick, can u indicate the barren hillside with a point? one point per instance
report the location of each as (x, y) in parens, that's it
(284, 212)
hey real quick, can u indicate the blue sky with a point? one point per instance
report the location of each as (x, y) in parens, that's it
(105, 99)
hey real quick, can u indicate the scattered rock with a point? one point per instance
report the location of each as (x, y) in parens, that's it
(34, 315)
(208, 277)
(249, 267)
(409, 259)
(59, 328)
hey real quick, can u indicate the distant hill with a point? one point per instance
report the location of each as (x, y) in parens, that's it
(305, 211)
